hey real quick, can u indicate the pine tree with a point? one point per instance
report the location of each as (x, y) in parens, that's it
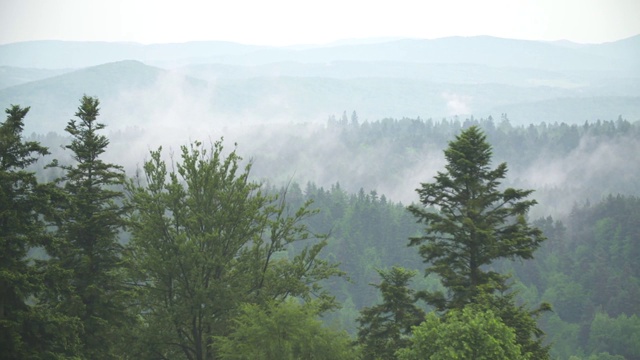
(20, 229)
(469, 224)
(85, 271)
(384, 327)
(27, 330)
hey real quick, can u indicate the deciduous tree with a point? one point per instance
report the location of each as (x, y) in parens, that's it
(286, 330)
(205, 240)
(469, 333)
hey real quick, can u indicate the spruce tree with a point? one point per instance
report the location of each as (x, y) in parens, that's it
(27, 329)
(384, 328)
(20, 229)
(85, 269)
(470, 222)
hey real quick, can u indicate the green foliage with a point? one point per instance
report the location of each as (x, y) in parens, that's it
(618, 336)
(284, 330)
(588, 268)
(469, 225)
(469, 333)
(529, 336)
(474, 225)
(367, 232)
(84, 274)
(19, 229)
(384, 328)
(27, 330)
(588, 271)
(206, 240)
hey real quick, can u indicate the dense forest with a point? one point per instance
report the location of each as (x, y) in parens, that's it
(201, 254)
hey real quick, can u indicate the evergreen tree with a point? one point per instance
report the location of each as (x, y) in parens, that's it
(384, 328)
(20, 229)
(85, 272)
(27, 329)
(470, 223)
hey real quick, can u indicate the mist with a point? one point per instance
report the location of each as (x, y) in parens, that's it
(289, 111)
(284, 147)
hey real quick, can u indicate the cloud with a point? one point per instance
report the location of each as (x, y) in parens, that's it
(457, 104)
(594, 169)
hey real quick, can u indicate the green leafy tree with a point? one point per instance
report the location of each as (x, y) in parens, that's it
(524, 321)
(617, 336)
(205, 240)
(383, 328)
(85, 275)
(283, 331)
(469, 224)
(463, 334)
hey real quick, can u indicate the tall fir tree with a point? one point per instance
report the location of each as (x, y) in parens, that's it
(20, 229)
(85, 272)
(470, 223)
(27, 330)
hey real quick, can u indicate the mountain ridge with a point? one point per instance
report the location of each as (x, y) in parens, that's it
(485, 50)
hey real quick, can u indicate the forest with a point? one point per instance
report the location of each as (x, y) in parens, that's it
(204, 252)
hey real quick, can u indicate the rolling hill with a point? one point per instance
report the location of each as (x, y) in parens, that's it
(217, 83)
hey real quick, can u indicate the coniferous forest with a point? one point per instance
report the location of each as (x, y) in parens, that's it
(199, 253)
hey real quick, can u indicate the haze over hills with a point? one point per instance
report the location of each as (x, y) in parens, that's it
(222, 83)
(260, 97)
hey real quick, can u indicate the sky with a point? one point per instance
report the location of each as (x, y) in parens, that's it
(295, 22)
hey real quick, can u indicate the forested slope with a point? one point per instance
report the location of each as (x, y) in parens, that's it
(584, 177)
(587, 269)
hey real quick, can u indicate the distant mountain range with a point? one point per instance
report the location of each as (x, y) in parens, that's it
(484, 50)
(531, 81)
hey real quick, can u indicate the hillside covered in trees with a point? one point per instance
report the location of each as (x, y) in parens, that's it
(203, 254)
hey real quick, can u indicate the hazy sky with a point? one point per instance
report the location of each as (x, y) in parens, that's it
(287, 22)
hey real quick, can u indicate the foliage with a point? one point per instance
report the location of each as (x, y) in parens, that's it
(284, 330)
(27, 330)
(468, 333)
(84, 274)
(587, 268)
(475, 223)
(469, 225)
(523, 321)
(205, 240)
(618, 336)
(384, 328)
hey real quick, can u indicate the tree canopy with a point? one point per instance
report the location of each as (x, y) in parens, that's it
(469, 333)
(206, 239)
